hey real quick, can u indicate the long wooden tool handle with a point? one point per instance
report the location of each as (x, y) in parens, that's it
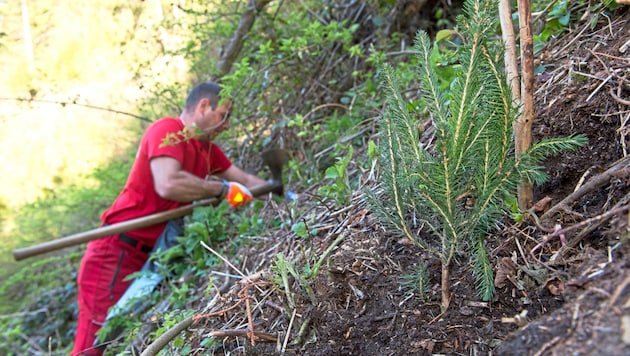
(124, 226)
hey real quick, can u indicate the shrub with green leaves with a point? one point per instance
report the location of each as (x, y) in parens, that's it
(455, 188)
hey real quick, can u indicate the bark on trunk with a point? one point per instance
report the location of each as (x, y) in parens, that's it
(235, 45)
(510, 59)
(446, 285)
(523, 126)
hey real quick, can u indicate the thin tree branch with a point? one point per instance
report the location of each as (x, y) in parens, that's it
(242, 332)
(590, 186)
(601, 217)
(165, 338)
(235, 45)
(64, 103)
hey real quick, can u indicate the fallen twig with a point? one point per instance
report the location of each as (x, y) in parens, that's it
(556, 232)
(574, 241)
(165, 338)
(242, 332)
(617, 292)
(286, 338)
(593, 184)
(225, 260)
(198, 317)
(618, 99)
(598, 218)
(599, 87)
(244, 295)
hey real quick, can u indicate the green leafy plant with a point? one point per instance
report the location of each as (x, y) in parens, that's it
(340, 190)
(444, 56)
(207, 224)
(456, 188)
(558, 16)
(283, 269)
(177, 346)
(557, 21)
(301, 229)
(129, 326)
(183, 135)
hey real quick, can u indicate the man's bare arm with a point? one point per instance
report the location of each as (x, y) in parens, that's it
(236, 174)
(173, 183)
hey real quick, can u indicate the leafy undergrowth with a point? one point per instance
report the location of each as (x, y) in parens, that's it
(337, 283)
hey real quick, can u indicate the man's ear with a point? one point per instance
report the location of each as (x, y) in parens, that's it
(203, 105)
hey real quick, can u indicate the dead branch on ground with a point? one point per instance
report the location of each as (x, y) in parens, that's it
(619, 169)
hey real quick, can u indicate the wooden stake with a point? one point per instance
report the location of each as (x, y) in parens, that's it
(523, 126)
(510, 58)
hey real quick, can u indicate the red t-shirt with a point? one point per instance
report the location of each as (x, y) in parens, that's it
(139, 198)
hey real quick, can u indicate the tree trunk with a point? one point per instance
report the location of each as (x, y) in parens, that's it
(523, 126)
(235, 45)
(446, 285)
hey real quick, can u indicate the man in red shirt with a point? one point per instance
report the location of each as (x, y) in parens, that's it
(163, 177)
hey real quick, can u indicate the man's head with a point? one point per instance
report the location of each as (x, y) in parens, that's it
(205, 111)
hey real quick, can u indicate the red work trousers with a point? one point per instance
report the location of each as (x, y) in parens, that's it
(104, 266)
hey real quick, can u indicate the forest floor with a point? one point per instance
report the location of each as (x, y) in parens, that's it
(553, 299)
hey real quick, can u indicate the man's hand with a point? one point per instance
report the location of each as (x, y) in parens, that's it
(237, 194)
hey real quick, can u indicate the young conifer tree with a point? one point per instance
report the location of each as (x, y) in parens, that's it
(456, 189)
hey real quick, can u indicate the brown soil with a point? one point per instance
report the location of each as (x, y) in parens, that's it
(556, 301)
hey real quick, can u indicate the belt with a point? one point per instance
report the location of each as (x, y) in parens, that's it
(135, 243)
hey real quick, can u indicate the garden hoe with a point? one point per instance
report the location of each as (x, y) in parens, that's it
(274, 159)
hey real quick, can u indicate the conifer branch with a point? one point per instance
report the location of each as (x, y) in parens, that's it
(391, 157)
(482, 269)
(506, 113)
(435, 98)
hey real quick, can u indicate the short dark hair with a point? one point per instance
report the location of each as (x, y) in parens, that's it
(207, 90)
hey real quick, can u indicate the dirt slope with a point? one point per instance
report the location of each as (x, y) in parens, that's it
(559, 300)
